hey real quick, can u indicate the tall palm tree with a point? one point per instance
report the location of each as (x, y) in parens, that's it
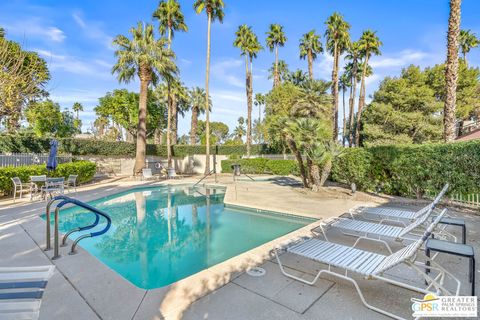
(248, 43)
(150, 60)
(281, 68)
(451, 71)
(310, 46)
(343, 85)
(369, 44)
(214, 10)
(467, 41)
(197, 106)
(259, 102)
(276, 38)
(171, 19)
(352, 70)
(338, 39)
(77, 107)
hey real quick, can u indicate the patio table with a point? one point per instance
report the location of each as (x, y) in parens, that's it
(36, 183)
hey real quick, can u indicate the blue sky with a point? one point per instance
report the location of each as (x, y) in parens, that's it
(75, 39)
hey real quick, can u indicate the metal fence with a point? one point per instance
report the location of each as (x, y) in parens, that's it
(470, 200)
(26, 159)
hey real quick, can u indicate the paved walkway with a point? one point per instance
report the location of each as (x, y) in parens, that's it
(84, 288)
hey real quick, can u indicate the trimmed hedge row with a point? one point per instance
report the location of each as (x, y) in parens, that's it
(263, 166)
(30, 144)
(412, 170)
(85, 170)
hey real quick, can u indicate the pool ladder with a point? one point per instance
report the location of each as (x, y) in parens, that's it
(64, 200)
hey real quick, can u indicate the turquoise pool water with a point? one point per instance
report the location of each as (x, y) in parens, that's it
(163, 234)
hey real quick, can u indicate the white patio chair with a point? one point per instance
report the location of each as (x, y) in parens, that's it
(19, 187)
(36, 184)
(395, 214)
(53, 186)
(364, 230)
(372, 266)
(21, 291)
(147, 174)
(71, 182)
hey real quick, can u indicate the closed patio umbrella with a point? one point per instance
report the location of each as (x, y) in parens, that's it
(52, 157)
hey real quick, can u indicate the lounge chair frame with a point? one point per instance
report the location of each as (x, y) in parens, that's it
(374, 266)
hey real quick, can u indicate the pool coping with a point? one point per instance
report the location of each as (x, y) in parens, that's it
(170, 301)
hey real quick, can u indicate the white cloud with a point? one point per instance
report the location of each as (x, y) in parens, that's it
(74, 65)
(228, 72)
(93, 29)
(35, 28)
(403, 58)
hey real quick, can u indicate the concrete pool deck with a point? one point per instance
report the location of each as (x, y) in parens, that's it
(84, 288)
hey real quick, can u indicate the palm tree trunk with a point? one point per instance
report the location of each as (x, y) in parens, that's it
(310, 64)
(451, 71)
(465, 59)
(344, 120)
(276, 78)
(298, 156)
(316, 180)
(335, 93)
(142, 128)
(207, 112)
(327, 168)
(169, 127)
(193, 127)
(361, 101)
(353, 92)
(174, 120)
(249, 110)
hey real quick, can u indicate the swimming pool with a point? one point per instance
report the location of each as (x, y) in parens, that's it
(160, 235)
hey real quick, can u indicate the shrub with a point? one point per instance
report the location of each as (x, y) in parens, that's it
(262, 165)
(412, 170)
(85, 170)
(283, 167)
(31, 144)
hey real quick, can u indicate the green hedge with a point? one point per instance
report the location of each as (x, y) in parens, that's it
(85, 170)
(411, 170)
(262, 166)
(30, 144)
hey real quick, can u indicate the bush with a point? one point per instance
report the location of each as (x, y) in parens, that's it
(412, 170)
(85, 170)
(283, 167)
(32, 144)
(262, 165)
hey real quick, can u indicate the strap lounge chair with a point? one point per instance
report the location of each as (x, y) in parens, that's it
(21, 291)
(395, 214)
(71, 182)
(371, 266)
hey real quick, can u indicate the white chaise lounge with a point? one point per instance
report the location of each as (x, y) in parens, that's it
(371, 265)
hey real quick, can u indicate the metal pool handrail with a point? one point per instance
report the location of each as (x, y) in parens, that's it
(66, 200)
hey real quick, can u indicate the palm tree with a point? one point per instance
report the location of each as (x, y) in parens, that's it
(249, 46)
(197, 105)
(171, 19)
(343, 85)
(338, 39)
(369, 44)
(297, 77)
(2, 32)
(467, 41)
(276, 38)
(77, 107)
(259, 102)
(281, 68)
(310, 46)
(214, 10)
(352, 71)
(451, 71)
(151, 60)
